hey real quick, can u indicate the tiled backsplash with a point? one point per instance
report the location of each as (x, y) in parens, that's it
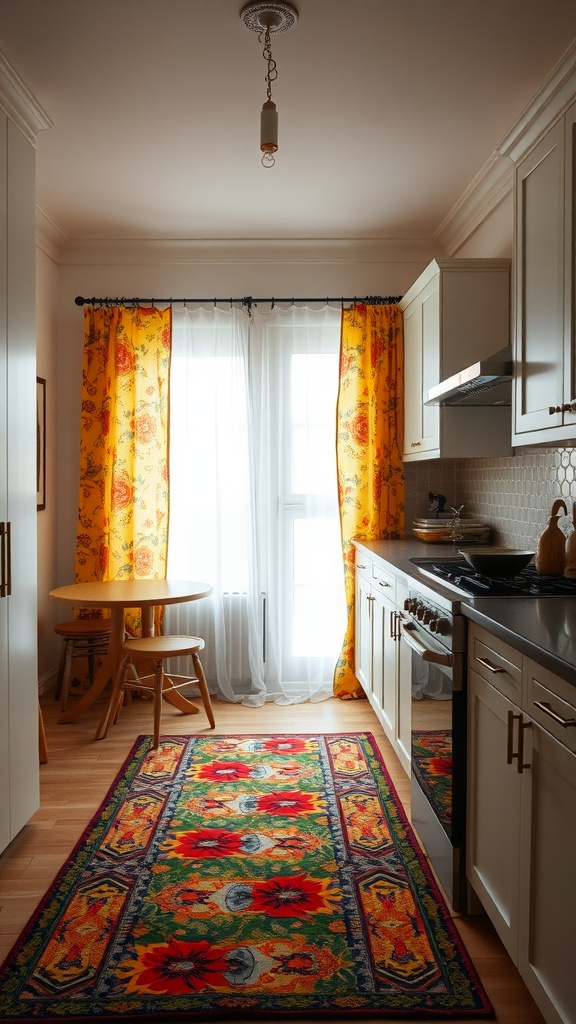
(513, 495)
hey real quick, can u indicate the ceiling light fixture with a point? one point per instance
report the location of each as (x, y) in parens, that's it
(265, 18)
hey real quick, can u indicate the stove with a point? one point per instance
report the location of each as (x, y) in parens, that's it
(456, 574)
(434, 629)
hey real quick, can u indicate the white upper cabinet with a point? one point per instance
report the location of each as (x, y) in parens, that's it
(20, 118)
(457, 312)
(544, 401)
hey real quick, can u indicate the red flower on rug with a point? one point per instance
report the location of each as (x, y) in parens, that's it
(439, 765)
(177, 967)
(286, 745)
(288, 803)
(223, 771)
(292, 896)
(208, 842)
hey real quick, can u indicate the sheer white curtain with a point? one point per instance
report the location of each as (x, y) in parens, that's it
(294, 383)
(253, 505)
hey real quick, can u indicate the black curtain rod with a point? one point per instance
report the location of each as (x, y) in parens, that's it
(246, 300)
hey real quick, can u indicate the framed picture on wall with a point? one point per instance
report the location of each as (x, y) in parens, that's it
(40, 443)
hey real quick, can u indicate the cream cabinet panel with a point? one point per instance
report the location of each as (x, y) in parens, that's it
(5, 834)
(545, 388)
(456, 313)
(548, 899)
(493, 841)
(521, 818)
(421, 370)
(19, 765)
(378, 666)
(363, 623)
(403, 732)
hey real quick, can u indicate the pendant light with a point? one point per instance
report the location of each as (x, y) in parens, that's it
(266, 18)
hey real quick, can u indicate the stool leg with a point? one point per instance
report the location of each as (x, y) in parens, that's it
(43, 748)
(199, 673)
(68, 665)
(60, 672)
(158, 687)
(113, 707)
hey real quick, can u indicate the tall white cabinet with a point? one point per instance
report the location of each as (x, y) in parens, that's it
(545, 388)
(20, 118)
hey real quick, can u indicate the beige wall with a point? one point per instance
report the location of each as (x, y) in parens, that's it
(46, 367)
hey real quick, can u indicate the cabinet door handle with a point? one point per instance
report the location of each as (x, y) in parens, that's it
(544, 706)
(395, 620)
(517, 756)
(2, 560)
(5, 560)
(359, 565)
(416, 444)
(488, 664)
(510, 755)
(382, 583)
(8, 559)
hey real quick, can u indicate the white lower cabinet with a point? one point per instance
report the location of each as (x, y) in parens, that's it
(379, 665)
(521, 836)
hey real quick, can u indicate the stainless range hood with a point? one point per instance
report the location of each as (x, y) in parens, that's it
(487, 382)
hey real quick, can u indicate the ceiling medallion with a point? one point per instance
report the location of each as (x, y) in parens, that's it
(276, 17)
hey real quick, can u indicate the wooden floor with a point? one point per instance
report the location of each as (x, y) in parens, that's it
(80, 771)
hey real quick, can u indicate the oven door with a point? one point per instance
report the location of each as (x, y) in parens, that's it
(438, 755)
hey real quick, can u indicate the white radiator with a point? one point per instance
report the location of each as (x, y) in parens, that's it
(225, 634)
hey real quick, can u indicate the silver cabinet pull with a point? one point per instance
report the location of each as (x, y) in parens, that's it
(8, 559)
(5, 560)
(2, 560)
(544, 706)
(517, 756)
(487, 664)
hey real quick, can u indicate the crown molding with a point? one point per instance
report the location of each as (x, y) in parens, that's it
(243, 250)
(485, 192)
(49, 238)
(18, 103)
(552, 99)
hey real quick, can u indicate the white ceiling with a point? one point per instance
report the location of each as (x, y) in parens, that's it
(387, 108)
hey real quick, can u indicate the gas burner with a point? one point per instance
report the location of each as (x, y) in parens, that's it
(459, 576)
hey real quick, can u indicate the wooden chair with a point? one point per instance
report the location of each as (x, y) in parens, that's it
(81, 638)
(152, 652)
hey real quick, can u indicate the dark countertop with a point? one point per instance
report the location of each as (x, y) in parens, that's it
(543, 628)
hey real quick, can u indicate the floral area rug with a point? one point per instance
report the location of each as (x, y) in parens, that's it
(432, 766)
(244, 875)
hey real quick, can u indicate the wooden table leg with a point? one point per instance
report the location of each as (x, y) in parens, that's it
(105, 673)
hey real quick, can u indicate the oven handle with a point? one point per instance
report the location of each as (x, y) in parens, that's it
(423, 652)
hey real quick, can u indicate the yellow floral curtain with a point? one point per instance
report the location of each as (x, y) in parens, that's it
(370, 425)
(123, 503)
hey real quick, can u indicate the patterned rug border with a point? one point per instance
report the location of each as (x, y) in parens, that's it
(122, 781)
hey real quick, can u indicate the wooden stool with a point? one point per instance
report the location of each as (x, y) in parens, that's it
(81, 638)
(42, 745)
(156, 650)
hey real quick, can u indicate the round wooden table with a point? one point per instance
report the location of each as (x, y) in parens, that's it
(117, 595)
